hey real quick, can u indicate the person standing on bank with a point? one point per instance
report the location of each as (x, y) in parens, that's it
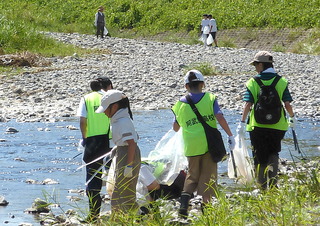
(100, 22)
(266, 138)
(115, 105)
(202, 170)
(95, 130)
(213, 29)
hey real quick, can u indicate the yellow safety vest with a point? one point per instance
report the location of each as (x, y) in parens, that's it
(254, 88)
(195, 141)
(97, 123)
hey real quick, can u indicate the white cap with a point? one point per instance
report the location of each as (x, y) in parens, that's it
(110, 97)
(199, 76)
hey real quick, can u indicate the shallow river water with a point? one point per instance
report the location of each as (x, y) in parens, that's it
(46, 150)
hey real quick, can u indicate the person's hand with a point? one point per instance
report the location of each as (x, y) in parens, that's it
(128, 171)
(231, 142)
(83, 142)
(241, 129)
(292, 122)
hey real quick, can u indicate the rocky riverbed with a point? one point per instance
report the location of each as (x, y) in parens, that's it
(151, 74)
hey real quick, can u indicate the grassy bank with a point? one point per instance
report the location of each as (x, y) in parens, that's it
(19, 20)
(295, 202)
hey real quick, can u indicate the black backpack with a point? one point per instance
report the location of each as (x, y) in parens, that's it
(268, 108)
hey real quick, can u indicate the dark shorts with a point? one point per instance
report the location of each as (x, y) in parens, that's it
(213, 34)
(265, 142)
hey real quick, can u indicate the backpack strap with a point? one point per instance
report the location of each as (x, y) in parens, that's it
(274, 82)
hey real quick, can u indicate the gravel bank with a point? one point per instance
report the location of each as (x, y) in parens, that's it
(151, 74)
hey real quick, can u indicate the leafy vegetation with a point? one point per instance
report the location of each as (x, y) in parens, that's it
(19, 20)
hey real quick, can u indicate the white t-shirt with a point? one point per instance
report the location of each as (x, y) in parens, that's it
(213, 23)
(122, 128)
(204, 23)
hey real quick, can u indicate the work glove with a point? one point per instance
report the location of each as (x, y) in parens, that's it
(128, 171)
(241, 129)
(83, 142)
(231, 142)
(292, 122)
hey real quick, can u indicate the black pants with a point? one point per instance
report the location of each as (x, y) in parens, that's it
(266, 147)
(100, 30)
(96, 146)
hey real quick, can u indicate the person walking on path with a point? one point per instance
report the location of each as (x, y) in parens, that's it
(115, 105)
(266, 138)
(205, 29)
(95, 130)
(202, 170)
(213, 29)
(100, 22)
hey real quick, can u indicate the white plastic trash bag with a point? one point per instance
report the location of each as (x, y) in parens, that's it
(245, 174)
(209, 40)
(169, 151)
(206, 30)
(105, 31)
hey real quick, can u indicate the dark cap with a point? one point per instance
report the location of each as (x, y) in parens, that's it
(104, 81)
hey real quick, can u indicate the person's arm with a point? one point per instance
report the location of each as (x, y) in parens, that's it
(223, 123)
(132, 145)
(153, 186)
(175, 126)
(289, 109)
(83, 127)
(246, 111)
(96, 20)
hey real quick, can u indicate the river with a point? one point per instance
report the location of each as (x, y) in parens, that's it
(42, 150)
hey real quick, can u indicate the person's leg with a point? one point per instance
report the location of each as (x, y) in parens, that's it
(97, 30)
(93, 190)
(207, 186)
(124, 194)
(262, 175)
(214, 36)
(273, 169)
(102, 31)
(190, 184)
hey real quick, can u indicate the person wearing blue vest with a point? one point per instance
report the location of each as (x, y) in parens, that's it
(266, 138)
(202, 170)
(95, 130)
(100, 22)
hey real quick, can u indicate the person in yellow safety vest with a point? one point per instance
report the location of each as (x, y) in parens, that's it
(202, 170)
(266, 138)
(95, 130)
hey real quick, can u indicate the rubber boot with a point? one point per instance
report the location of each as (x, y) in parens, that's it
(184, 200)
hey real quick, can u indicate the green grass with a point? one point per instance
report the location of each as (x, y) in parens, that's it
(20, 20)
(206, 69)
(295, 202)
